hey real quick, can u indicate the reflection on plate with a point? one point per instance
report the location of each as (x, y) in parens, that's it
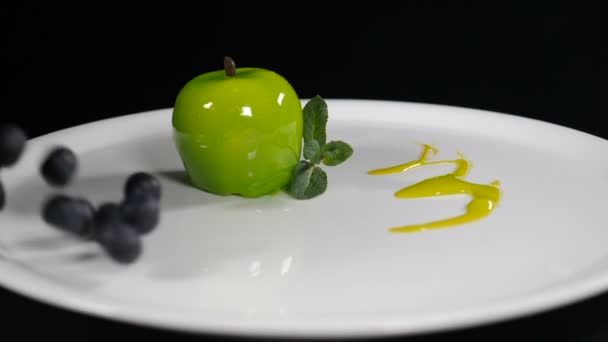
(329, 267)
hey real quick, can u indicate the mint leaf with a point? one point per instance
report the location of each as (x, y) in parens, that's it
(336, 152)
(315, 120)
(309, 181)
(312, 151)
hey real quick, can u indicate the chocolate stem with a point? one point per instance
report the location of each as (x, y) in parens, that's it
(229, 66)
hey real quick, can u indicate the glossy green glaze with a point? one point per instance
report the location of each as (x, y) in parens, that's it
(239, 135)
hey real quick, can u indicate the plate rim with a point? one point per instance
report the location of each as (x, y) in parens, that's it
(22, 283)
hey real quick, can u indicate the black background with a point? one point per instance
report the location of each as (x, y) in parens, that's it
(63, 66)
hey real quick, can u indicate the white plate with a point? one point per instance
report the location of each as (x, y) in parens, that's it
(328, 267)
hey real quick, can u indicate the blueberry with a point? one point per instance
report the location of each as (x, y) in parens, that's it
(2, 196)
(118, 238)
(72, 215)
(59, 167)
(12, 144)
(142, 212)
(142, 183)
(107, 214)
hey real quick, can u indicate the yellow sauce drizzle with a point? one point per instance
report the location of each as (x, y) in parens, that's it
(484, 197)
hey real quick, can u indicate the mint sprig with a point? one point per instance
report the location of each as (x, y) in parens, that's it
(309, 179)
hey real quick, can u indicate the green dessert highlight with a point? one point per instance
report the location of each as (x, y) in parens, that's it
(238, 131)
(241, 131)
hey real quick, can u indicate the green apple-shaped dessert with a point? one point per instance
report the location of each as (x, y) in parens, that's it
(238, 131)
